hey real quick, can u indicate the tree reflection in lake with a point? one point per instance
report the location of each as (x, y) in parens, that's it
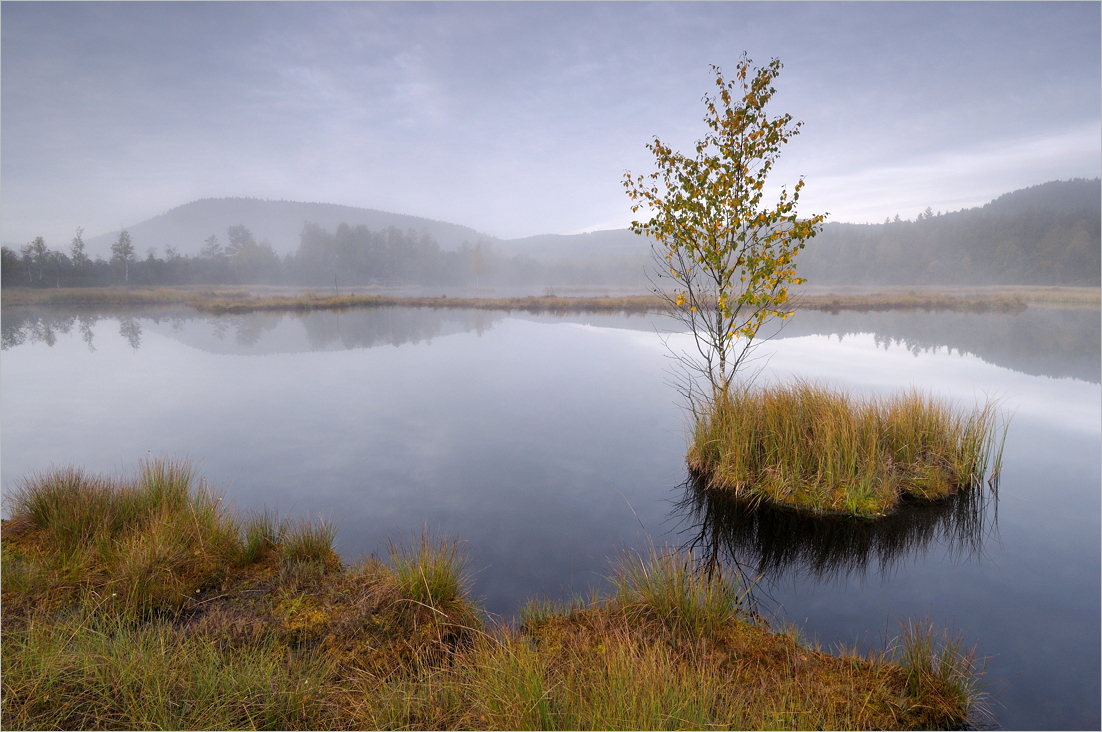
(27, 326)
(772, 543)
(1042, 341)
(1053, 342)
(254, 333)
(131, 330)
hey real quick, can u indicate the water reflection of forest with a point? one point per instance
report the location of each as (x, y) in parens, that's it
(254, 333)
(1040, 341)
(770, 542)
(20, 327)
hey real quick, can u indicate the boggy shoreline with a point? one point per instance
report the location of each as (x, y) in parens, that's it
(244, 299)
(144, 602)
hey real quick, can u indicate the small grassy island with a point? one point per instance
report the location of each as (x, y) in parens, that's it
(145, 602)
(819, 450)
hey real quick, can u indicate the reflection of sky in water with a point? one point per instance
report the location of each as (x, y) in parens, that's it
(1039, 341)
(858, 363)
(525, 434)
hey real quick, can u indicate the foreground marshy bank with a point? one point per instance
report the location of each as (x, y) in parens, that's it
(144, 602)
(819, 450)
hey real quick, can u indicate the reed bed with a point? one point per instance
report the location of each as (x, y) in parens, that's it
(229, 300)
(1006, 304)
(812, 448)
(542, 304)
(282, 635)
(631, 304)
(118, 296)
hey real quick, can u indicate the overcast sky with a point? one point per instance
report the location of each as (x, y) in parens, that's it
(521, 119)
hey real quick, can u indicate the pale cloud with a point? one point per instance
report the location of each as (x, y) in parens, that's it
(952, 179)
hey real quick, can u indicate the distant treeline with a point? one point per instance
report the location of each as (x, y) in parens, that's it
(1044, 235)
(348, 256)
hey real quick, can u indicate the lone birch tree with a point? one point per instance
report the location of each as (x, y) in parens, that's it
(122, 252)
(731, 259)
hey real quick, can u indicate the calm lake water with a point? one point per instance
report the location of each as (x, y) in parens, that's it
(550, 443)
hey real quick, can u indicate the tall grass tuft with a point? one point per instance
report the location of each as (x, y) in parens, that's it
(431, 574)
(818, 449)
(259, 536)
(308, 541)
(938, 667)
(668, 585)
(150, 542)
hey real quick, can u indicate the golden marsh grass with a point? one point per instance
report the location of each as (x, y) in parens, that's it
(144, 602)
(235, 300)
(816, 449)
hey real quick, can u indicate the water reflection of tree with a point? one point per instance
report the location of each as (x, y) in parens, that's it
(1040, 341)
(44, 328)
(84, 324)
(250, 327)
(219, 326)
(131, 330)
(28, 326)
(391, 326)
(324, 330)
(770, 542)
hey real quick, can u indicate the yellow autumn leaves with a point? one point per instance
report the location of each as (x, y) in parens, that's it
(730, 257)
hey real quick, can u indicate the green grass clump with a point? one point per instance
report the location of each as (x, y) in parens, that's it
(938, 667)
(432, 573)
(308, 541)
(89, 670)
(817, 449)
(666, 585)
(282, 635)
(148, 543)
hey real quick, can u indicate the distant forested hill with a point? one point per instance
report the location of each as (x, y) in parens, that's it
(1047, 234)
(277, 222)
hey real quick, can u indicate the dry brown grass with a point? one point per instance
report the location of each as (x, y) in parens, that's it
(117, 296)
(542, 304)
(926, 301)
(225, 300)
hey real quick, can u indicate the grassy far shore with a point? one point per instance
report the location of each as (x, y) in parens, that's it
(220, 300)
(819, 450)
(142, 602)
